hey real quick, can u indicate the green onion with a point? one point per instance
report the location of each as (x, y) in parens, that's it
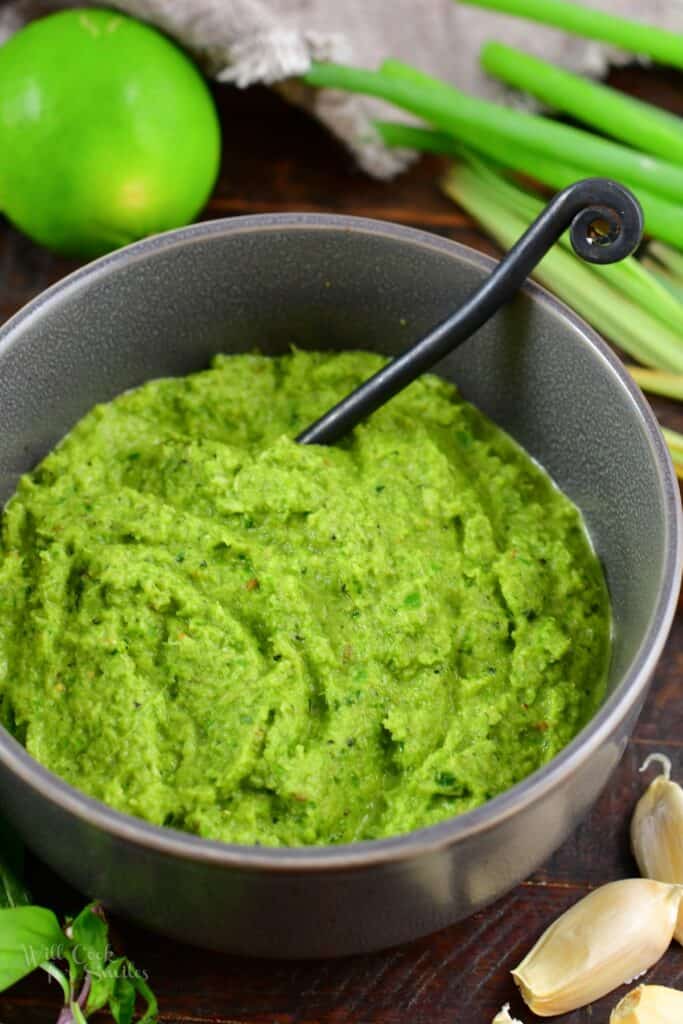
(454, 112)
(632, 328)
(658, 382)
(409, 136)
(647, 291)
(664, 279)
(663, 219)
(633, 121)
(674, 442)
(674, 289)
(670, 260)
(634, 36)
(663, 216)
(667, 266)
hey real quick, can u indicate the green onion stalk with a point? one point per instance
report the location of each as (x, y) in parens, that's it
(555, 153)
(633, 121)
(454, 112)
(663, 219)
(674, 442)
(635, 36)
(658, 382)
(667, 266)
(669, 261)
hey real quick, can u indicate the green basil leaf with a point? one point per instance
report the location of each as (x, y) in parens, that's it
(101, 990)
(102, 987)
(122, 1003)
(28, 936)
(143, 989)
(90, 936)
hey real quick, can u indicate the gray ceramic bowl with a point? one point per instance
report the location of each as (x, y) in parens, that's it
(164, 306)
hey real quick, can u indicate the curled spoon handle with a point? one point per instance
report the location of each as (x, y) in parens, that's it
(606, 225)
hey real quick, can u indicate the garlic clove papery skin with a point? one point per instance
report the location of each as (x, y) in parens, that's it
(657, 831)
(607, 939)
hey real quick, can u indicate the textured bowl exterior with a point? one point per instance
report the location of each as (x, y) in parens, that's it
(165, 306)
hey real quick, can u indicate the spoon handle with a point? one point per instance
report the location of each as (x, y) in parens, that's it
(606, 225)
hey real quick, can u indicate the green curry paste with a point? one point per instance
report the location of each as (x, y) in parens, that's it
(209, 626)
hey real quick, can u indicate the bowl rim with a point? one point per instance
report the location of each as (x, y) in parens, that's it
(433, 838)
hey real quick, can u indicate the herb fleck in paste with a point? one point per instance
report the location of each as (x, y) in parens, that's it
(209, 626)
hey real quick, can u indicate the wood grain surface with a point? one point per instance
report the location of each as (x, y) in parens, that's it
(277, 159)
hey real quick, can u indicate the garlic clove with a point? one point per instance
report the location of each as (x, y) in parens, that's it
(657, 830)
(649, 1004)
(503, 1016)
(607, 939)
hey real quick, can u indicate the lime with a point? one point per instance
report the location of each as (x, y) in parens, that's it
(108, 132)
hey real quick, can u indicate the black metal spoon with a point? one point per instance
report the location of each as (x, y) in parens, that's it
(606, 225)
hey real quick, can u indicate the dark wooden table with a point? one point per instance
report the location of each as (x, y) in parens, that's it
(277, 159)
